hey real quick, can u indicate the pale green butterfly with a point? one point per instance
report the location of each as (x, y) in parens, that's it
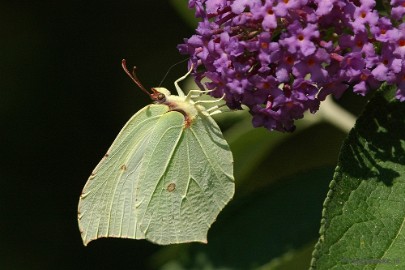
(166, 176)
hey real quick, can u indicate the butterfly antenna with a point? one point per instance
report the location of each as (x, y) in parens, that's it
(133, 76)
(170, 68)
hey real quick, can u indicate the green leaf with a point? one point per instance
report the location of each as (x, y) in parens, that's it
(364, 212)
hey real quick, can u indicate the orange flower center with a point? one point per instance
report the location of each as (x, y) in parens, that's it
(300, 37)
(311, 62)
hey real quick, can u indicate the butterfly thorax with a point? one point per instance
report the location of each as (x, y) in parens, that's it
(182, 104)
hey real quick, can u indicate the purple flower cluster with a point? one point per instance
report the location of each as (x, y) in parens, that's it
(281, 58)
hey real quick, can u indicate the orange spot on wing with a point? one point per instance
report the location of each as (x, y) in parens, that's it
(171, 187)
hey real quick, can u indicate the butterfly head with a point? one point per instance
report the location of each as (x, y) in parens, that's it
(160, 94)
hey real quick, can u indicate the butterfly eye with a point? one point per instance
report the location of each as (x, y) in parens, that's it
(160, 97)
(157, 96)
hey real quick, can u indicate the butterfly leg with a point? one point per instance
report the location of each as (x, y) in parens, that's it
(176, 83)
(216, 109)
(196, 93)
(211, 101)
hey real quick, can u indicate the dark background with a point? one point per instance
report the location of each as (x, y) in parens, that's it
(63, 99)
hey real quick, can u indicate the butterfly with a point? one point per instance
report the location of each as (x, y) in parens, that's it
(166, 176)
